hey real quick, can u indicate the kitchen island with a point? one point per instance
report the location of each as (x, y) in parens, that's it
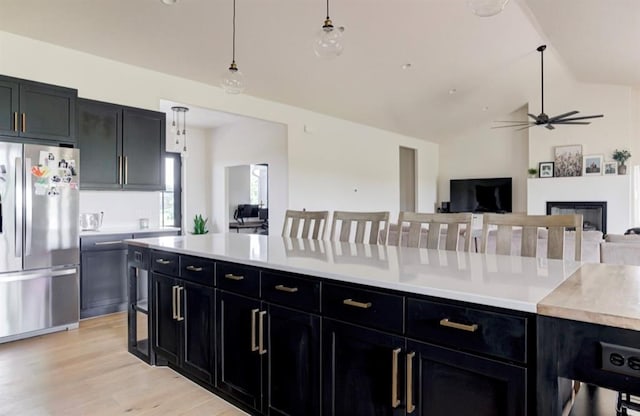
(280, 326)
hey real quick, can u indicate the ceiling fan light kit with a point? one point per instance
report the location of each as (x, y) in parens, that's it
(543, 119)
(486, 8)
(328, 41)
(233, 81)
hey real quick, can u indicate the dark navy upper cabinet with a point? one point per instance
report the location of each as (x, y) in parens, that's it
(37, 111)
(120, 147)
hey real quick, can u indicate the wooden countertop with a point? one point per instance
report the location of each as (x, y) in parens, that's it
(604, 294)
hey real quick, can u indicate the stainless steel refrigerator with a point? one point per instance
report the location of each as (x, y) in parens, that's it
(39, 239)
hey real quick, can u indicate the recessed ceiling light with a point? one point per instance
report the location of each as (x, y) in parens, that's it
(453, 91)
(169, 2)
(485, 108)
(406, 66)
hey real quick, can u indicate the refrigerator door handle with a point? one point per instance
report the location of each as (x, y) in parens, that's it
(18, 207)
(28, 206)
(16, 277)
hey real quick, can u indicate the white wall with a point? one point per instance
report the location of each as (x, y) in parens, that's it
(123, 208)
(237, 185)
(487, 153)
(196, 178)
(320, 169)
(245, 143)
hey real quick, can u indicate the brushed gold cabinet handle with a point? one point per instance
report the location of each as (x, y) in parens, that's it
(410, 406)
(15, 121)
(173, 301)
(24, 123)
(126, 170)
(179, 316)
(233, 277)
(194, 268)
(163, 261)
(284, 288)
(470, 328)
(261, 349)
(119, 170)
(395, 402)
(254, 347)
(363, 305)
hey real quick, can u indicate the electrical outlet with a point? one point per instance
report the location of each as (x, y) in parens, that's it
(620, 359)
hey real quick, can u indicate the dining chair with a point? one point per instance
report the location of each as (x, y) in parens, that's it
(304, 224)
(530, 225)
(344, 223)
(423, 230)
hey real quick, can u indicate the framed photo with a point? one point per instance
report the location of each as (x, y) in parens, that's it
(568, 160)
(593, 165)
(610, 168)
(545, 169)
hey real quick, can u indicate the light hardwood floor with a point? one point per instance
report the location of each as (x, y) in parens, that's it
(88, 371)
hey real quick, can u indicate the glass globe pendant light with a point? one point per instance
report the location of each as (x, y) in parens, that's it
(328, 42)
(487, 8)
(233, 81)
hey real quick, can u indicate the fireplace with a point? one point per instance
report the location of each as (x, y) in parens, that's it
(594, 213)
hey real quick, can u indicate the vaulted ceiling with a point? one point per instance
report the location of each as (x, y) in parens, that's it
(464, 69)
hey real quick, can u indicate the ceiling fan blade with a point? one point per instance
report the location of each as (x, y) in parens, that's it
(583, 118)
(526, 127)
(511, 121)
(549, 126)
(571, 122)
(533, 116)
(570, 113)
(513, 125)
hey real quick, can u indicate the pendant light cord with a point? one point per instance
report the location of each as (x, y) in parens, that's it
(233, 58)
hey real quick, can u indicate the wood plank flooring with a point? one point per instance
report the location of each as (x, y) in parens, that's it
(88, 371)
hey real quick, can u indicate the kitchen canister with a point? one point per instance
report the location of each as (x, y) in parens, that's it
(144, 223)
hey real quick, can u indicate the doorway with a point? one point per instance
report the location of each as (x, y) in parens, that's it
(248, 197)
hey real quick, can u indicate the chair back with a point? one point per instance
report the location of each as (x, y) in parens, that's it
(556, 225)
(428, 226)
(304, 224)
(374, 222)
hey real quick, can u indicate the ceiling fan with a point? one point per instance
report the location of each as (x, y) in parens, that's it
(543, 119)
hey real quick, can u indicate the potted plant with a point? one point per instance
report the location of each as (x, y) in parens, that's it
(532, 172)
(621, 156)
(200, 224)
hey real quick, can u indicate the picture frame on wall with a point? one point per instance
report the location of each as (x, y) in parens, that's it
(545, 169)
(568, 160)
(593, 165)
(610, 168)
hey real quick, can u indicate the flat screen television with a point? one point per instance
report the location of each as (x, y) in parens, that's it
(480, 195)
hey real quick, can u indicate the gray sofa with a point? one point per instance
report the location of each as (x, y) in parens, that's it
(621, 249)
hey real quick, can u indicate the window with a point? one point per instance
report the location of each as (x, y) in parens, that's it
(258, 185)
(171, 196)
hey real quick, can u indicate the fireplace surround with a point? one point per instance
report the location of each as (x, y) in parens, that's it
(594, 213)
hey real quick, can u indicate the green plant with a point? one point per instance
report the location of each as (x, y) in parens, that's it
(200, 224)
(621, 156)
(532, 171)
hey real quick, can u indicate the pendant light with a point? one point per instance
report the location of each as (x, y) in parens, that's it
(328, 42)
(233, 80)
(487, 8)
(175, 126)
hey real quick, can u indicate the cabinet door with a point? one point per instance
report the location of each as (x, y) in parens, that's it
(198, 325)
(165, 330)
(103, 284)
(238, 371)
(9, 117)
(143, 149)
(100, 144)
(47, 112)
(358, 371)
(293, 363)
(448, 382)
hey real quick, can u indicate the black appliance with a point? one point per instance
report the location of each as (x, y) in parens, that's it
(481, 195)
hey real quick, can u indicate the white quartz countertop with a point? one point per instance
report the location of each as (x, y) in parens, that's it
(517, 283)
(126, 230)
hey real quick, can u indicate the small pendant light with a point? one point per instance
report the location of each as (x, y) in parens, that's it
(233, 80)
(175, 127)
(328, 42)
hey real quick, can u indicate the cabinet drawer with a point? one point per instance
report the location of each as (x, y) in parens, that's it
(238, 278)
(469, 329)
(367, 307)
(138, 257)
(197, 270)
(166, 263)
(295, 292)
(104, 242)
